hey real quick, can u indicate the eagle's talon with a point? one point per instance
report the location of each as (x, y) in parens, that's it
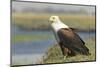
(65, 57)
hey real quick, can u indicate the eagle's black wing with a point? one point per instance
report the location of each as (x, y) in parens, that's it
(72, 41)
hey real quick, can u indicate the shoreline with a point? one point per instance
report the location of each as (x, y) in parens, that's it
(48, 29)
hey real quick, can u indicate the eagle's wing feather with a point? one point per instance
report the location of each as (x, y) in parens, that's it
(72, 41)
(78, 37)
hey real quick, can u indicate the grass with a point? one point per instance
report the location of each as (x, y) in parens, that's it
(36, 37)
(54, 54)
(40, 21)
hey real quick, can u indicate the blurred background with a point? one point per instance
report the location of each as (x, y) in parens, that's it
(31, 34)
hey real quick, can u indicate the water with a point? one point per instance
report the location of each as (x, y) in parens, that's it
(29, 52)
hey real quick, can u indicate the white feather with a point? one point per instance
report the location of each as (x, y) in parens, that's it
(56, 26)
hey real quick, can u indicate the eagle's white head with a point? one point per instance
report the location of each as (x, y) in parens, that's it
(56, 24)
(54, 19)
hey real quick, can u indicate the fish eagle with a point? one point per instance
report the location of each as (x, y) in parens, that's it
(68, 40)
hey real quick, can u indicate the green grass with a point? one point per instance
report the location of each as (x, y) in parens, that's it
(36, 37)
(40, 21)
(54, 54)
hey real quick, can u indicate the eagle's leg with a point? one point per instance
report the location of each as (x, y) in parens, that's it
(66, 50)
(62, 50)
(62, 47)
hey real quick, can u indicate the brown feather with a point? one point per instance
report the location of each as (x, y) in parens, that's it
(71, 41)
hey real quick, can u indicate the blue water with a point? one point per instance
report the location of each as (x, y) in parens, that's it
(31, 47)
(17, 31)
(31, 51)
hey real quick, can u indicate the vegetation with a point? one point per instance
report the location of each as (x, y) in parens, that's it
(54, 54)
(40, 21)
(25, 37)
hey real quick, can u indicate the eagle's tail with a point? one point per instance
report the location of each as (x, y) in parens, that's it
(85, 51)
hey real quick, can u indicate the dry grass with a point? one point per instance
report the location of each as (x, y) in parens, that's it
(40, 21)
(54, 54)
